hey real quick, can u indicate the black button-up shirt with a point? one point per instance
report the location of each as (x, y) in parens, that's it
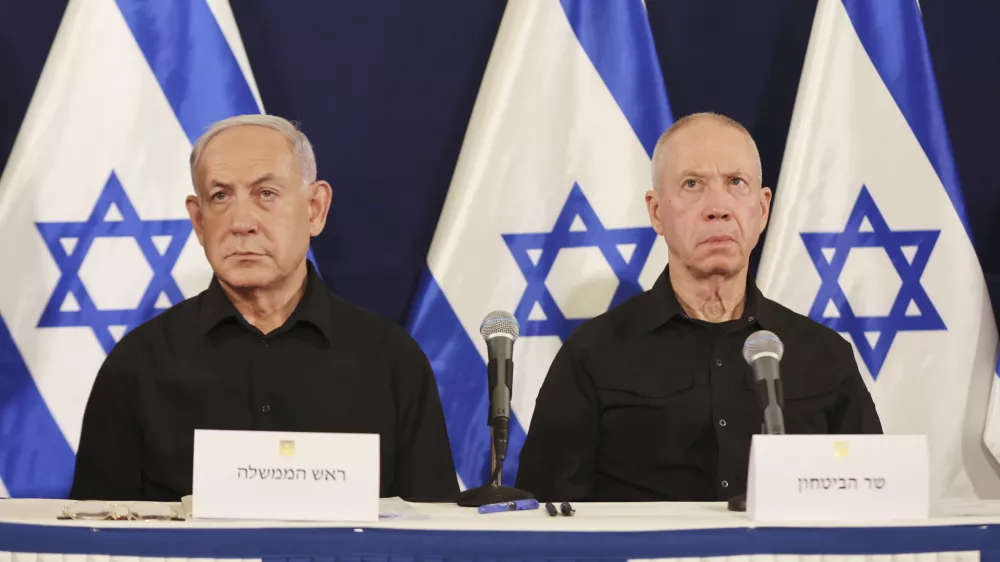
(643, 403)
(331, 367)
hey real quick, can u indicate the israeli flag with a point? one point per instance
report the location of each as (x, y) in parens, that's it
(94, 234)
(545, 215)
(869, 235)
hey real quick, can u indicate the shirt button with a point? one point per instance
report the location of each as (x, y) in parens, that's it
(265, 408)
(722, 423)
(718, 362)
(750, 319)
(725, 484)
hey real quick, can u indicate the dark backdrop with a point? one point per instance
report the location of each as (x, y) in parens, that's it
(384, 89)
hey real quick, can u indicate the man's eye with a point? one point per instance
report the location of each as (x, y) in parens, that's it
(738, 181)
(218, 196)
(690, 184)
(267, 194)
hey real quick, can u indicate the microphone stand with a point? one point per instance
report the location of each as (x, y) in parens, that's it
(494, 491)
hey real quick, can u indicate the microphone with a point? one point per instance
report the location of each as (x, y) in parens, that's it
(500, 329)
(763, 351)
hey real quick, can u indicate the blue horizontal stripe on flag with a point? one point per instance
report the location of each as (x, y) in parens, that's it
(619, 42)
(192, 61)
(892, 34)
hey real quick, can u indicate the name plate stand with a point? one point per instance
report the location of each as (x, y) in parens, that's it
(285, 476)
(838, 478)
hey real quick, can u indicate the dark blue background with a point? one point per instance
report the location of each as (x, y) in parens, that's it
(384, 89)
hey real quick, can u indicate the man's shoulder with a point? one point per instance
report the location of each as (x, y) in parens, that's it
(794, 325)
(179, 318)
(365, 328)
(354, 318)
(624, 318)
(808, 342)
(816, 358)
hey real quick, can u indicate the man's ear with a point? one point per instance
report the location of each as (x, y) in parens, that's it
(652, 207)
(193, 205)
(320, 198)
(765, 207)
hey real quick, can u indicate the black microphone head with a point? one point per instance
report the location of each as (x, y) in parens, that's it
(500, 323)
(761, 343)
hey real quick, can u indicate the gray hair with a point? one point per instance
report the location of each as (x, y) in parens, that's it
(297, 141)
(661, 144)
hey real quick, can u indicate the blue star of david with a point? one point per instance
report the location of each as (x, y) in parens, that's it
(546, 246)
(910, 271)
(99, 226)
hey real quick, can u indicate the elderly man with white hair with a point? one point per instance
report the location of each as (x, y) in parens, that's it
(265, 347)
(653, 400)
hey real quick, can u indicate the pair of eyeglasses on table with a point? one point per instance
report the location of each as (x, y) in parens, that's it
(96, 510)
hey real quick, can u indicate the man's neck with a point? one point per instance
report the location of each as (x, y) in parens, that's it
(715, 298)
(267, 309)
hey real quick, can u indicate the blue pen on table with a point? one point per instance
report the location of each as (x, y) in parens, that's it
(516, 505)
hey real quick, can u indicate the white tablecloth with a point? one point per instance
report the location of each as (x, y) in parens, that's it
(30, 532)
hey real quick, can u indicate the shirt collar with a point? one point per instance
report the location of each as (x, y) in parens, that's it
(314, 308)
(662, 305)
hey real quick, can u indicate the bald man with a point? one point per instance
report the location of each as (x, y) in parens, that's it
(653, 401)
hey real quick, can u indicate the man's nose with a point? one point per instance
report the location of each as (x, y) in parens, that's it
(244, 216)
(717, 213)
(717, 205)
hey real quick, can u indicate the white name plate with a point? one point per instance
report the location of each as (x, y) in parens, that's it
(285, 476)
(838, 478)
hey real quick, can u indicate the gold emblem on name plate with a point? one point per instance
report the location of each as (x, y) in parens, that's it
(841, 449)
(286, 448)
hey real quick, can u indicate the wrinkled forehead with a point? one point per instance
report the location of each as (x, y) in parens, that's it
(246, 150)
(709, 144)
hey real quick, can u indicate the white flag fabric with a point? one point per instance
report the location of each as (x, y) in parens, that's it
(94, 234)
(991, 433)
(869, 235)
(544, 216)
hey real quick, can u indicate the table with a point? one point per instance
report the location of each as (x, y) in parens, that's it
(29, 532)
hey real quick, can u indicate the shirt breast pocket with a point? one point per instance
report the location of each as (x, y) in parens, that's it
(632, 391)
(808, 403)
(644, 412)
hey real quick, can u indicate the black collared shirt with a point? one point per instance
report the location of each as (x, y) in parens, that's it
(643, 403)
(331, 367)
